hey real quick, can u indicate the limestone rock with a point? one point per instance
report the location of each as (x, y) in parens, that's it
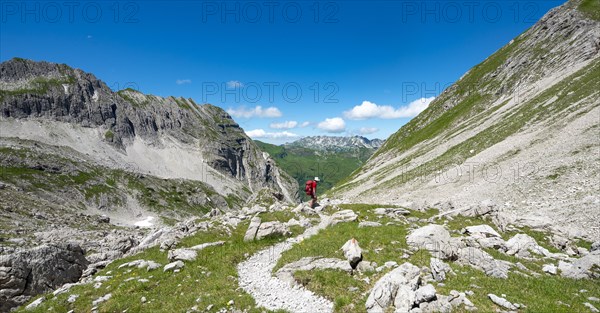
(343, 216)
(502, 302)
(480, 259)
(182, 255)
(485, 230)
(436, 239)
(173, 266)
(368, 224)
(252, 229)
(30, 272)
(385, 291)
(272, 229)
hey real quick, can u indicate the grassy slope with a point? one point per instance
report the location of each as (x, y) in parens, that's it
(210, 279)
(87, 184)
(474, 94)
(386, 243)
(304, 164)
(591, 8)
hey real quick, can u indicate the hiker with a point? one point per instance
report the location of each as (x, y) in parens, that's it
(311, 190)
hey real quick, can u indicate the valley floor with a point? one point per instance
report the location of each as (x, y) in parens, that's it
(532, 271)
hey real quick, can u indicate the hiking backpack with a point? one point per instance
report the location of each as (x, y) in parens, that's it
(308, 187)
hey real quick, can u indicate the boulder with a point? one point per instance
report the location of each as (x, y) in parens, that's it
(439, 269)
(352, 252)
(485, 230)
(481, 260)
(425, 293)
(385, 292)
(522, 244)
(275, 228)
(436, 239)
(182, 255)
(595, 246)
(31, 272)
(343, 216)
(252, 229)
(203, 246)
(550, 269)
(502, 302)
(173, 266)
(368, 224)
(585, 267)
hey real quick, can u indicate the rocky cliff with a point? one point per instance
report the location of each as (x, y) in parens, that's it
(520, 131)
(166, 137)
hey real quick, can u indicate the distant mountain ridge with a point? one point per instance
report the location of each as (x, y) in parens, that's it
(336, 143)
(332, 158)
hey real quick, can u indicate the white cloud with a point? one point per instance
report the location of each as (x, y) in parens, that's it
(284, 125)
(183, 81)
(304, 124)
(371, 110)
(257, 111)
(367, 130)
(332, 125)
(261, 133)
(235, 84)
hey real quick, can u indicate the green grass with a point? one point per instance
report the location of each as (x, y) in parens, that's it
(539, 294)
(585, 83)
(172, 292)
(304, 164)
(109, 135)
(591, 9)
(39, 85)
(89, 184)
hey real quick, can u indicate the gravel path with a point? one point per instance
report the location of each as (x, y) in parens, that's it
(255, 277)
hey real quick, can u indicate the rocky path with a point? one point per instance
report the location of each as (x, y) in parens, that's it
(255, 277)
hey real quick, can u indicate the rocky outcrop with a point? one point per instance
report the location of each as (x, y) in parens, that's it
(31, 272)
(43, 91)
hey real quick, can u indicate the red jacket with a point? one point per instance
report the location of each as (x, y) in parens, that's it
(314, 187)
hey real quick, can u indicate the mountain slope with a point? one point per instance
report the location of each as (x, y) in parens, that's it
(330, 158)
(71, 149)
(520, 129)
(336, 143)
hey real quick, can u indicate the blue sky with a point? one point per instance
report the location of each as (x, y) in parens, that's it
(283, 69)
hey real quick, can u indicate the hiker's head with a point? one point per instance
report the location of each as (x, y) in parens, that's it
(317, 179)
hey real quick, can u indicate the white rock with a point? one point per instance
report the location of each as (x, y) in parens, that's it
(368, 224)
(102, 299)
(72, 298)
(385, 291)
(182, 254)
(591, 307)
(425, 293)
(252, 229)
(203, 246)
(274, 228)
(34, 304)
(439, 269)
(502, 302)
(343, 216)
(173, 266)
(486, 230)
(550, 269)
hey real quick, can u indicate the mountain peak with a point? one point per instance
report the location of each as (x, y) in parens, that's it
(336, 143)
